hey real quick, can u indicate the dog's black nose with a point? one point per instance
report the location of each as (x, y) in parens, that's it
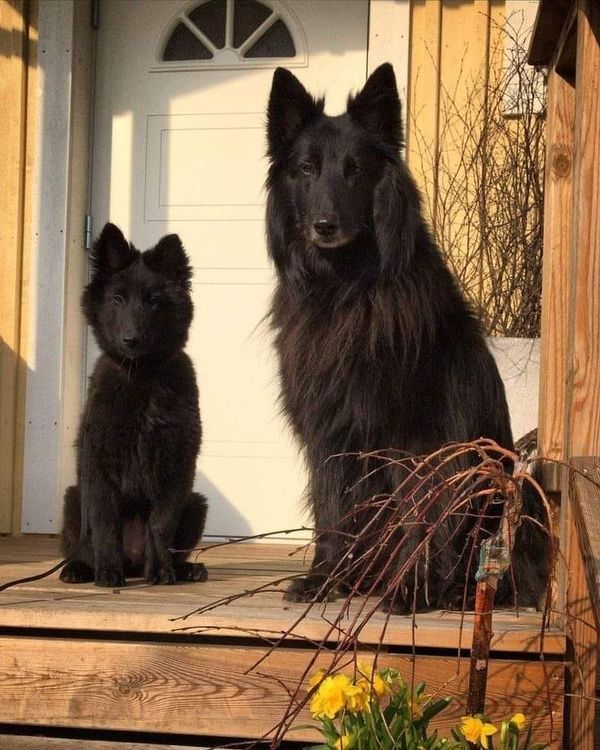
(326, 227)
(131, 342)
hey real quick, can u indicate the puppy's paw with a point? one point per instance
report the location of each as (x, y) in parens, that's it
(312, 588)
(110, 577)
(76, 572)
(189, 571)
(157, 575)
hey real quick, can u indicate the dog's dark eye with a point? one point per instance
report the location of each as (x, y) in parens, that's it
(155, 300)
(118, 299)
(352, 169)
(307, 167)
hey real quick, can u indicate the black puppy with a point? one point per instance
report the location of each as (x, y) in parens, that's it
(140, 431)
(377, 346)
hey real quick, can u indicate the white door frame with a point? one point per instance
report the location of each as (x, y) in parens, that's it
(56, 330)
(58, 261)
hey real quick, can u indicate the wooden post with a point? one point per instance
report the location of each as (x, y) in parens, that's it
(558, 198)
(583, 376)
(582, 422)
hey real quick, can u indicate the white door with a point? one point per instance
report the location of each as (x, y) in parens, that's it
(179, 147)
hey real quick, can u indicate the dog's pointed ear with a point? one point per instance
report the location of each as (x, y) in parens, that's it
(290, 108)
(377, 107)
(111, 251)
(169, 258)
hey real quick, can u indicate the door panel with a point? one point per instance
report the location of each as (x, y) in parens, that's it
(179, 147)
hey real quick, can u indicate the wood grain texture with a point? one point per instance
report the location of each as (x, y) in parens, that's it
(29, 218)
(558, 200)
(584, 504)
(212, 690)
(584, 322)
(233, 569)
(583, 635)
(15, 742)
(13, 88)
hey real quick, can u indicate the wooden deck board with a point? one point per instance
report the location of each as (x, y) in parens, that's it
(214, 690)
(32, 742)
(50, 604)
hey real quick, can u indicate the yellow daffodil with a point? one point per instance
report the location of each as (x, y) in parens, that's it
(357, 698)
(518, 721)
(371, 681)
(344, 742)
(316, 678)
(476, 730)
(333, 695)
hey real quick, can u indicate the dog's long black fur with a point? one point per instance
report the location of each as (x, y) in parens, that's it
(377, 345)
(140, 431)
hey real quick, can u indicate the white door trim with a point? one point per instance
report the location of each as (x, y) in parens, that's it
(389, 39)
(54, 354)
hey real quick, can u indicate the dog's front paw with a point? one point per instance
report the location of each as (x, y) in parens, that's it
(109, 576)
(157, 575)
(312, 588)
(76, 571)
(189, 571)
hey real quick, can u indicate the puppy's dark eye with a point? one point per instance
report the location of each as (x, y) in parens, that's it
(155, 300)
(118, 299)
(353, 169)
(307, 167)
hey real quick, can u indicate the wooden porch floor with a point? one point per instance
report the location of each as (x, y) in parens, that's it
(85, 657)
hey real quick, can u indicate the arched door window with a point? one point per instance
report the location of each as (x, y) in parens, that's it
(232, 34)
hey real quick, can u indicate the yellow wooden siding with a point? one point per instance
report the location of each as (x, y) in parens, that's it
(17, 47)
(459, 140)
(450, 44)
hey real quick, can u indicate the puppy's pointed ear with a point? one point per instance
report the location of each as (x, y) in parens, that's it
(377, 107)
(169, 259)
(290, 108)
(111, 251)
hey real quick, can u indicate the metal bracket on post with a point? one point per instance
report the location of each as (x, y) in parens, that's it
(88, 232)
(95, 14)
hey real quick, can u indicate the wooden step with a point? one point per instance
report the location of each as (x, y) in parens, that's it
(89, 658)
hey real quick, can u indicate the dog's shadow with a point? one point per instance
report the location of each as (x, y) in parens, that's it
(223, 519)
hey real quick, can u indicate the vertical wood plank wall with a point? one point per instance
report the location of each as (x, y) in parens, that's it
(17, 74)
(450, 43)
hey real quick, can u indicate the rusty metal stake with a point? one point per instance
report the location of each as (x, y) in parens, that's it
(494, 561)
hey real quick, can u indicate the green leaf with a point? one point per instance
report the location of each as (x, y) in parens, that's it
(433, 709)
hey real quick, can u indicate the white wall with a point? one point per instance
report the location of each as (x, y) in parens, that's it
(519, 363)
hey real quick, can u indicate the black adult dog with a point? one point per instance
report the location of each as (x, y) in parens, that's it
(377, 346)
(140, 431)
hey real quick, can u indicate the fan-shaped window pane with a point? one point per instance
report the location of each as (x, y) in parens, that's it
(230, 33)
(275, 42)
(183, 45)
(210, 19)
(247, 17)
